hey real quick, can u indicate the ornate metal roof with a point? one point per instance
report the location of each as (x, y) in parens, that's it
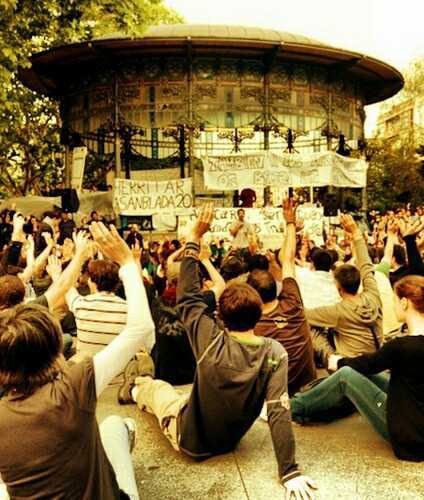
(49, 68)
(213, 31)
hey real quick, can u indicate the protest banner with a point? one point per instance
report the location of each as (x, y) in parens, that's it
(267, 222)
(78, 164)
(237, 171)
(151, 197)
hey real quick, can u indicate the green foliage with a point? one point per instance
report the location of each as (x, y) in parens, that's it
(28, 123)
(395, 174)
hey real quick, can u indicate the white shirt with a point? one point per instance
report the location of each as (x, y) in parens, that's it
(317, 288)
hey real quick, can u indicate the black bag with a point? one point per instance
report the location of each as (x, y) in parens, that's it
(342, 410)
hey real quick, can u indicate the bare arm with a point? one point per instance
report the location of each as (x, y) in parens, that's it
(288, 251)
(390, 242)
(217, 280)
(139, 331)
(56, 293)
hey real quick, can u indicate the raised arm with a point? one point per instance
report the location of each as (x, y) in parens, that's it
(139, 331)
(288, 250)
(363, 261)
(409, 233)
(217, 280)
(56, 293)
(190, 304)
(392, 232)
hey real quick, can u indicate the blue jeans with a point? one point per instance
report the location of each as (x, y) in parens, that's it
(369, 395)
(114, 436)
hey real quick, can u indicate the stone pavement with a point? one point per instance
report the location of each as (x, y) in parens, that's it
(347, 459)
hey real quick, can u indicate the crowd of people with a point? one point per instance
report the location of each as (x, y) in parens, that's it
(83, 307)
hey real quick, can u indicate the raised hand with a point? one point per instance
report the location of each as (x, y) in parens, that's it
(205, 252)
(111, 244)
(348, 224)
(54, 267)
(136, 251)
(301, 487)
(203, 222)
(289, 210)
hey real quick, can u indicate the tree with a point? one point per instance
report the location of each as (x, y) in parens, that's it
(29, 123)
(395, 173)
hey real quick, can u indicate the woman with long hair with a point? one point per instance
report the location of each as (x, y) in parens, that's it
(394, 405)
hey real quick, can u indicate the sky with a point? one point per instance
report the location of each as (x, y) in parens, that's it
(391, 30)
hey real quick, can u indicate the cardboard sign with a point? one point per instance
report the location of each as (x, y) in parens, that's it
(266, 222)
(151, 197)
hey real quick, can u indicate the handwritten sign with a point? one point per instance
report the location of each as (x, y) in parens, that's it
(151, 197)
(266, 222)
(237, 171)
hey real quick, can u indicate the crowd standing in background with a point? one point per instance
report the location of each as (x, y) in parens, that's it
(83, 306)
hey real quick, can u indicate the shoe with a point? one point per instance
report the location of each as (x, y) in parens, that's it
(132, 431)
(141, 366)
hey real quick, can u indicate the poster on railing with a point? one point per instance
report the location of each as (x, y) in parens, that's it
(266, 222)
(151, 197)
(78, 165)
(238, 171)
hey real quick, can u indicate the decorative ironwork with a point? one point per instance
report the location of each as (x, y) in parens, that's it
(201, 91)
(290, 136)
(174, 91)
(236, 136)
(251, 92)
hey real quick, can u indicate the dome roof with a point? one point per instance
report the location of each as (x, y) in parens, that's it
(219, 32)
(52, 67)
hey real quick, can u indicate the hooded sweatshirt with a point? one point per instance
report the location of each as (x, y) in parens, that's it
(354, 320)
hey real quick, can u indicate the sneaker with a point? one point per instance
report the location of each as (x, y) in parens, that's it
(141, 366)
(132, 431)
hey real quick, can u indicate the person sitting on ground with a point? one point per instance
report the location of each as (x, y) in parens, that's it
(394, 406)
(412, 263)
(317, 285)
(357, 319)
(101, 315)
(236, 373)
(51, 406)
(283, 317)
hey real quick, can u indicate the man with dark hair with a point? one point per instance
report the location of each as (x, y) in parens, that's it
(241, 230)
(48, 416)
(102, 315)
(358, 318)
(283, 317)
(237, 372)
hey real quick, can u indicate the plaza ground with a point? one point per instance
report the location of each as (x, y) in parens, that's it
(347, 459)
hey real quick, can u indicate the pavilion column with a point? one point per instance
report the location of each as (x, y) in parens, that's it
(117, 138)
(190, 110)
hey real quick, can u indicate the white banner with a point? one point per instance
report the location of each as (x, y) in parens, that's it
(266, 221)
(238, 171)
(78, 164)
(151, 197)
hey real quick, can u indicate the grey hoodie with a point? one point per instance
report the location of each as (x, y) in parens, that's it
(354, 319)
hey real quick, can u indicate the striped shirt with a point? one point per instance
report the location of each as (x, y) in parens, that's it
(99, 317)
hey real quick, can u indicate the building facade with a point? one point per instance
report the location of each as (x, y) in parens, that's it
(184, 91)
